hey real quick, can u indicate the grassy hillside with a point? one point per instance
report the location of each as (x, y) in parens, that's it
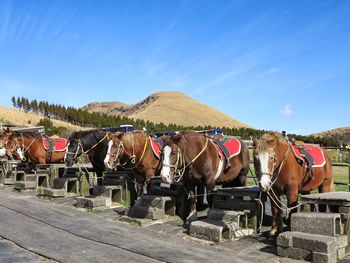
(168, 107)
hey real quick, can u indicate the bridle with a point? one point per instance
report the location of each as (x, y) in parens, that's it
(132, 158)
(81, 146)
(17, 147)
(272, 174)
(180, 165)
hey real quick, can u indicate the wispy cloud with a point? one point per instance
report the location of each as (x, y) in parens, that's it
(270, 71)
(286, 111)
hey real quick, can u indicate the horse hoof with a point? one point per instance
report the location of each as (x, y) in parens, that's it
(192, 217)
(273, 232)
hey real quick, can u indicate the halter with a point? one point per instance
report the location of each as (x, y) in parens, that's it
(272, 173)
(81, 145)
(132, 158)
(21, 147)
(179, 172)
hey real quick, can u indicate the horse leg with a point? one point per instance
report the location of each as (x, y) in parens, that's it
(192, 200)
(292, 199)
(275, 217)
(325, 187)
(42, 160)
(307, 207)
(200, 197)
(132, 190)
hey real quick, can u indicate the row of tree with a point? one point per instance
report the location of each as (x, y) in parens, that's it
(98, 120)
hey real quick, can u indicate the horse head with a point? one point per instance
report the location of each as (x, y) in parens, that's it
(172, 158)
(115, 149)
(267, 158)
(74, 149)
(14, 146)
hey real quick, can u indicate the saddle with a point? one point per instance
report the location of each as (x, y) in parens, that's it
(309, 153)
(156, 145)
(227, 148)
(53, 144)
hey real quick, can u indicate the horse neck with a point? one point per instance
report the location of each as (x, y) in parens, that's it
(90, 140)
(283, 154)
(135, 144)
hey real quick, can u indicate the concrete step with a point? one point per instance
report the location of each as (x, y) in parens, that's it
(49, 192)
(326, 224)
(30, 177)
(138, 211)
(225, 215)
(90, 202)
(25, 185)
(217, 231)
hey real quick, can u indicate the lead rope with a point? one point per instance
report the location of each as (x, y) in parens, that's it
(181, 156)
(274, 197)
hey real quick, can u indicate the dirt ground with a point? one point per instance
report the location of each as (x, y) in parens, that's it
(37, 230)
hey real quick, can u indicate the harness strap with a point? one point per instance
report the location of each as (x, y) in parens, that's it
(85, 152)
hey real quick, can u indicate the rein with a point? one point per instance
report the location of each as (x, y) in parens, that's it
(181, 157)
(132, 158)
(80, 145)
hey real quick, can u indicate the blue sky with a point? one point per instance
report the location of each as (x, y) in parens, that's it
(279, 65)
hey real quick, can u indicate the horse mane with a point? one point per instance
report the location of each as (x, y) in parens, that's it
(263, 142)
(79, 134)
(25, 134)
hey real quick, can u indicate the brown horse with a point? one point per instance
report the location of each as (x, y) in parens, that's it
(3, 141)
(194, 159)
(279, 172)
(29, 146)
(133, 151)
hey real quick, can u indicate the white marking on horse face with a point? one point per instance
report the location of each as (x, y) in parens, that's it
(265, 179)
(106, 160)
(165, 172)
(2, 152)
(65, 155)
(21, 154)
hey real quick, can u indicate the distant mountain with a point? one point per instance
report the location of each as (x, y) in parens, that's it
(168, 107)
(342, 134)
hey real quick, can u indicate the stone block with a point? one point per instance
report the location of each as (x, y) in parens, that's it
(295, 253)
(224, 215)
(243, 232)
(25, 185)
(285, 239)
(9, 181)
(318, 257)
(341, 253)
(344, 209)
(342, 241)
(90, 202)
(315, 243)
(30, 177)
(55, 193)
(138, 211)
(208, 230)
(326, 224)
(155, 201)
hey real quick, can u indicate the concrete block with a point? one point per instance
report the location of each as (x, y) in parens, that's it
(55, 193)
(341, 253)
(138, 211)
(342, 241)
(90, 202)
(9, 181)
(326, 224)
(344, 209)
(285, 239)
(295, 253)
(312, 242)
(208, 230)
(318, 257)
(25, 185)
(243, 232)
(155, 201)
(30, 177)
(224, 215)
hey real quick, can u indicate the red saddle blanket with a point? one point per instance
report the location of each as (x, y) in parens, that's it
(233, 146)
(155, 147)
(59, 145)
(314, 151)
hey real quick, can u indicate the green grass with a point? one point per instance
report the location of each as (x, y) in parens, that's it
(341, 174)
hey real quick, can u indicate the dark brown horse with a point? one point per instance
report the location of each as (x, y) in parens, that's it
(194, 159)
(29, 146)
(279, 172)
(133, 151)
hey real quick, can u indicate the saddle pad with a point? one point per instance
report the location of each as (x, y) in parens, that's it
(59, 145)
(233, 146)
(155, 147)
(314, 151)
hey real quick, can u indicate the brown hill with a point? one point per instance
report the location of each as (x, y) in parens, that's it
(342, 134)
(168, 107)
(22, 119)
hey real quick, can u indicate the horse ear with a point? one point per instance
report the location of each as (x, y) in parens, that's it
(177, 137)
(255, 142)
(109, 135)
